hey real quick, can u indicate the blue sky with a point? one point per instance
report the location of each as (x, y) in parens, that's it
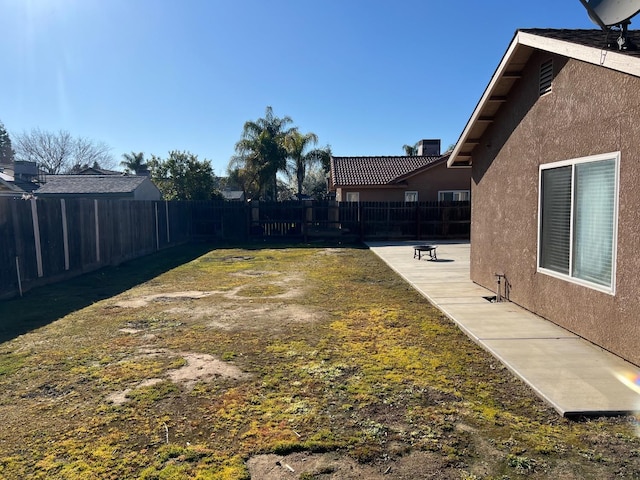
(367, 76)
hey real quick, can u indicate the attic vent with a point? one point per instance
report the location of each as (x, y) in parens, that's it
(546, 77)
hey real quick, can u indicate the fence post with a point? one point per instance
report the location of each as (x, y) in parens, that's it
(255, 217)
(418, 232)
(333, 214)
(307, 218)
(36, 236)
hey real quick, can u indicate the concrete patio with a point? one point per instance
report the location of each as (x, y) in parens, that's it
(573, 375)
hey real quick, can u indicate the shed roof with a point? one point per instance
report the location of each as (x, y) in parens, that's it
(585, 45)
(90, 184)
(351, 171)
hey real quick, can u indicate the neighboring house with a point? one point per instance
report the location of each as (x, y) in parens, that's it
(7, 188)
(554, 145)
(16, 179)
(420, 178)
(233, 195)
(126, 187)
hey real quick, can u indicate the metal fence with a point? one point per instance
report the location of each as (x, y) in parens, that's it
(411, 221)
(361, 220)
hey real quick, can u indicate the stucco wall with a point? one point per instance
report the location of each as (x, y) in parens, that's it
(427, 184)
(591, 110)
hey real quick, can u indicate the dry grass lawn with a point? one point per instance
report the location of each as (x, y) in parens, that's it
(271, 363)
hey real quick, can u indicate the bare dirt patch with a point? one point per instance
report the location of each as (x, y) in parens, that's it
(162, 297)
(269, 318)
(198, 367)
(255, 273)
(203, 367)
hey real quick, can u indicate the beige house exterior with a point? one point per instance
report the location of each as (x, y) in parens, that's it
(554, 145)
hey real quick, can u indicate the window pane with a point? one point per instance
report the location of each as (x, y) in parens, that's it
(594, 221)
(556, 219)
(353, 196)
(410, 196)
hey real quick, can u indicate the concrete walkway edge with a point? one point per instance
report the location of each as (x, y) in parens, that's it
(573, 375)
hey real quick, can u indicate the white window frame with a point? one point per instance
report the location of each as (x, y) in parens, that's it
(352, 197)
(455, 193)
(411, 196)
(568, 277)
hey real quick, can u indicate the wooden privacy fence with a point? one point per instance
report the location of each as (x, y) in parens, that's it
(356, 220)
(45, 240)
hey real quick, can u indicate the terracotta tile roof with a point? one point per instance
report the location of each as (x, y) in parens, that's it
(378, 170)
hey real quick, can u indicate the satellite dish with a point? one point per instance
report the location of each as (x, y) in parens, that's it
(611, 12)
(614, 13)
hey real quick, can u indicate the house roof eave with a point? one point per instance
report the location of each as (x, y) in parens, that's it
(385, 186)
(512, 63)
(462, 152)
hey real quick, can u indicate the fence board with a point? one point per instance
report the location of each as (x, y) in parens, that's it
(51, 237)
(8, 274)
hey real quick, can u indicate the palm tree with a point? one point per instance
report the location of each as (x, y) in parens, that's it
(239, 176)
(133, 162)
(410, 150)
(297, 145)
(262, 150)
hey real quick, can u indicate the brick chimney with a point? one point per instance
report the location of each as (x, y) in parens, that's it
(429, 148)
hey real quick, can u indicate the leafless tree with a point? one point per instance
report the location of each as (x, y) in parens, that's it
(88, 152)
(59, 152)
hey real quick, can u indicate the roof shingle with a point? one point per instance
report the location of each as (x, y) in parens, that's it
(589, 38)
